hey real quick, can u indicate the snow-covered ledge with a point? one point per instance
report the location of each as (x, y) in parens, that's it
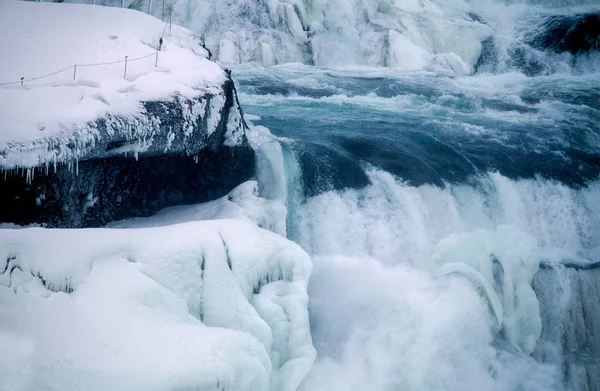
(69, 142)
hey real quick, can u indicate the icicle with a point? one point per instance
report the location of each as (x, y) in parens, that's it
(76, 166)
(135, 155)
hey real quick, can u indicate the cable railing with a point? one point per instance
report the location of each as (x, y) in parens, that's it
(74, 67)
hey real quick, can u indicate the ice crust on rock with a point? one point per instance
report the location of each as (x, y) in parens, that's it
(203, 305)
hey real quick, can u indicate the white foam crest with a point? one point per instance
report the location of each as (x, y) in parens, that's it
(392, 221)
(389, 328)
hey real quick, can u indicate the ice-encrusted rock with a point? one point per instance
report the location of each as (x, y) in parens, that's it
(102, 142)
(206, 305)
(178, 151)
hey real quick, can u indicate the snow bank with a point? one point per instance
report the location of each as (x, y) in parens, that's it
(503, 263)
(204, 305)
(38, 39)
(242, 203)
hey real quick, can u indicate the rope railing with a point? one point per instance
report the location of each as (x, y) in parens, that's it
(126, 60)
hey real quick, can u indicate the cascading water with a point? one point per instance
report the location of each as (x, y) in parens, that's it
(450, 200)
(442, 165)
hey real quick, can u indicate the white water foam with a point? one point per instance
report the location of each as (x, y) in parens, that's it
(380, 318)
(394, 222)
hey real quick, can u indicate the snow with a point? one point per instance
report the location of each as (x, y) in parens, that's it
(203, 305)
(261, 201)
(242, 203)
(42, 38)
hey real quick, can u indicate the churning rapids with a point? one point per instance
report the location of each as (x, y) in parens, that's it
(419, 190)
(441, 164)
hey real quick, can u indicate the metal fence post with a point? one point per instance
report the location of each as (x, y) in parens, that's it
(125, 74)
(74, 71)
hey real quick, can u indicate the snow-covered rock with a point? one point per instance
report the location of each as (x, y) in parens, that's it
(63, 137)
(206, 305)
(80, 110)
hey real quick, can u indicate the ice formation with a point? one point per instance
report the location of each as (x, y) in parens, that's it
(431, 35)
(203, 305)
(408, 35)
(503, 263)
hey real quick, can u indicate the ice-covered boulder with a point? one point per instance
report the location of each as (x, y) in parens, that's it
(97, 143)
(205, 305)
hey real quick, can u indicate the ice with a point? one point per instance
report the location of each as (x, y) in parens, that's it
(228, 50)
(293, 22)
(270, 168)
(235, 132)
(405, 54)
(204, 305)
(342, 33)
(475, 252)
(41, 38)
(266, 52)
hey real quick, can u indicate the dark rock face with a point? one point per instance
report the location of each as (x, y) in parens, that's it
(488, 59)
(180, 151)
(584, 35)
(569, 34)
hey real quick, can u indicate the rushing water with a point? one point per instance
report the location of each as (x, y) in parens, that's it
(436, 152)
(383, 164)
